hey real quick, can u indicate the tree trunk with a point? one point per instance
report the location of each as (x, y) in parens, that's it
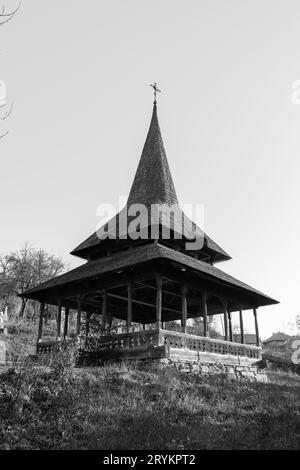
(23, 308)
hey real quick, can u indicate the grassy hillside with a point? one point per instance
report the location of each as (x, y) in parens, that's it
(125, 407)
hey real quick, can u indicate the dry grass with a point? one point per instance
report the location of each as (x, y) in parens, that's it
(125, 407)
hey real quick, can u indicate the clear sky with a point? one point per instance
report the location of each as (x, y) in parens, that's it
(79, 74)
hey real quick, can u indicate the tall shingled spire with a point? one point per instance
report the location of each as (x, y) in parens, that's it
(153, 182)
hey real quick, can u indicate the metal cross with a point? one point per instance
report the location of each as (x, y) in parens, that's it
(155, 90)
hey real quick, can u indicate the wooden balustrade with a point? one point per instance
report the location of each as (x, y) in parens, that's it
(50, 347)
(172, 339)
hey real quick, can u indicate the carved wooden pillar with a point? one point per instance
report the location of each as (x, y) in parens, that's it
(78, 322)
(242, 327)
(204, 312)
(184, 308)
(256, 326)
(129, 305)
(230, 327)
(158, 301)
(58, 334)
(104, 308)
(66, 323)
(40, 330)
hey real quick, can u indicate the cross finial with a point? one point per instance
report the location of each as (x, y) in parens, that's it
(155, 88)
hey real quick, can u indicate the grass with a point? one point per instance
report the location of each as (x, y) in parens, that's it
(21, 338)
(123, 406)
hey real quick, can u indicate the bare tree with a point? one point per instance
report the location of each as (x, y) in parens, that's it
(5, 17)
(25, 269)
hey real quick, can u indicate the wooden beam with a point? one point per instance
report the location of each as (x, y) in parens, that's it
(158, 301)
(256, 326)
(204, 312)
(142, 302)
(242, 326)
(66, 322)
(164, 291)
(184, 308)
(129, 305)
(41, 319)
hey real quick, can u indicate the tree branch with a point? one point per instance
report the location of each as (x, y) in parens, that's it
(8, 16)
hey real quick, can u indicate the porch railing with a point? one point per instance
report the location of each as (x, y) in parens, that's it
(49, 347)
(177, 340)
(172, 339)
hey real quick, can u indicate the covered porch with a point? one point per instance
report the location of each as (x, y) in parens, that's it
(147, 297)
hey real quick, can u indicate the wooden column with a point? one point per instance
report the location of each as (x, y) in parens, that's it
(58, 334)
(204, 312)
(129, 305)
(256, 326)
(66, 323)
(104, 308)
(78, 315)
(158, 301)
(230, 327)
(242, 326)
(40, 330)
(87, 324)
(184, 308)
(226, 321)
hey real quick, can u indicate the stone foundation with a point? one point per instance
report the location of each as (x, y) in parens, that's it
(231, 371)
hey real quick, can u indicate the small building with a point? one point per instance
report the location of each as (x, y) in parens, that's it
(276, 340)
(151, 270)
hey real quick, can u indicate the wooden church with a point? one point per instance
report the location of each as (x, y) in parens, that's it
(151, 279)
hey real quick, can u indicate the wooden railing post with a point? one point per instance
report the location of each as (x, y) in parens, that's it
(241, 326)
(256, 326)
(66, 323)
(184, 308)
(58, 334)
(158, 301)
(41, 319)
(129, 305)
(204, 312)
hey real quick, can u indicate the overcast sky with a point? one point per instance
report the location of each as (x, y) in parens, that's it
(79, 74)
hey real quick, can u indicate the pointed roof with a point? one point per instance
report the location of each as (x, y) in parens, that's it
(153, 184)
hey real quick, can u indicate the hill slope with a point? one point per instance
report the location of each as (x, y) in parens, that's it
(126, 407)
